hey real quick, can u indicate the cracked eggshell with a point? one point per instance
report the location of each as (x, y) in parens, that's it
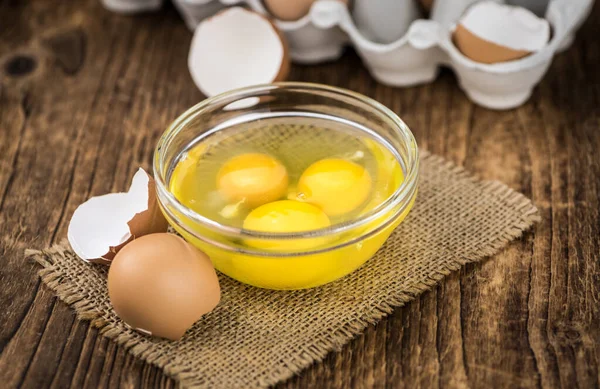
(237, 48)
(101, 226)
(161, 285)
(490, 33)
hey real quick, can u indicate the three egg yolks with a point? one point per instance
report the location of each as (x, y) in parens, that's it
(328, 188)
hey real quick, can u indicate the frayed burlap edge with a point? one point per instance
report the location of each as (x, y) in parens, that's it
(324, 344)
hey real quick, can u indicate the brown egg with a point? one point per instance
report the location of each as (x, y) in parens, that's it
(289, 10)
(160, 285)
(481, 50)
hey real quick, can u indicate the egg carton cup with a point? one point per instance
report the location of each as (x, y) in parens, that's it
(194, 11)
(416, 57)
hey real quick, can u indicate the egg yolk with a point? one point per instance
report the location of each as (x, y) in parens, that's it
(337, 186)
(253, 178)
(286, 216)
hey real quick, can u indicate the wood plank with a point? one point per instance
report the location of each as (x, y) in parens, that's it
(88, 93)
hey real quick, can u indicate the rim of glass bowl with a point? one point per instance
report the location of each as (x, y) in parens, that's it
(404, 192)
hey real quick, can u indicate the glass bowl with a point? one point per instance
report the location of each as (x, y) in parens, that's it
(346, 245)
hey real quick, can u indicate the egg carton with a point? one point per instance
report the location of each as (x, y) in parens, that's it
(421, 46)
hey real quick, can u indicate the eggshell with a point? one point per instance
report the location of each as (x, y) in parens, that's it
(490, 32)
(483, 51)
(237, 48)
(290, 10)
(161, 285)
(101, 226)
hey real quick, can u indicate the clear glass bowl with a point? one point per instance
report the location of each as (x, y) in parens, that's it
(350, 244)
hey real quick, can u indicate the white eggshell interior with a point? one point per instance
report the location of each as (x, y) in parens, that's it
(234, 49)
(513, 27)
(101, 222)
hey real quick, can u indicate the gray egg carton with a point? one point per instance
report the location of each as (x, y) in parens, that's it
(417, 48)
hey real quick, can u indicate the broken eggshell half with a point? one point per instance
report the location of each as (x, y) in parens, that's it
(237, 48)
(103, 225)
(490, 33)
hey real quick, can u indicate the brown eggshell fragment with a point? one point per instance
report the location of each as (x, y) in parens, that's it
(161, 285)
(146, 222)
(290, 10)
(483, 51)
(101, 226)
(152, 219)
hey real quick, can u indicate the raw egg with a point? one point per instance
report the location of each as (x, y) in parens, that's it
(389, 175)
(186, 167)
(337, 186)
(253, 178)
(160, 285)
(286, 216)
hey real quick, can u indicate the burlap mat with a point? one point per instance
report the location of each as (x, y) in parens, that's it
(256, 337)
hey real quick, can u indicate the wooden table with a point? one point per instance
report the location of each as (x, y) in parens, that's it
(84, 96)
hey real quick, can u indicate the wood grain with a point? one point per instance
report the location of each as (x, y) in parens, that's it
(84, 96)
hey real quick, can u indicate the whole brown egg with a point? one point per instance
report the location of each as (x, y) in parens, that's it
(160, 285)
(289, 10)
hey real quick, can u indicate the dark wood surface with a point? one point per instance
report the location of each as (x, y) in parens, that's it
(85, 94)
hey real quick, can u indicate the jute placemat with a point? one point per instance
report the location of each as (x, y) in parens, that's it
(257, 337)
